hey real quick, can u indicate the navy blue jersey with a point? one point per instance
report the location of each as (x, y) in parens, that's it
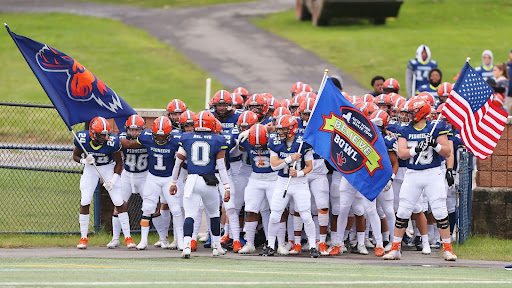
(161, 157)
(421, 70)
(390, 143)
(393, 127)
(202, 149)
(230, 136)
(458, 145)
(259, 158)
(135, 159)
(265, 120)
(485, 72)
(282, 150)
(231, 121)
(429, 158)
(102, 154)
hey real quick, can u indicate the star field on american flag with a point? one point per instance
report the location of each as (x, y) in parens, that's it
(474, 89)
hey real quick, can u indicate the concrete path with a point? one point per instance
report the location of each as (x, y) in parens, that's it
(218, 38)
(409, 258)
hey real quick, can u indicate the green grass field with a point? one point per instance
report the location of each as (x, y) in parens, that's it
(164, 3)
(211, 272)
(452, 29)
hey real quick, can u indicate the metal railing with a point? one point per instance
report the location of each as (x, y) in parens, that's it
(464, 193)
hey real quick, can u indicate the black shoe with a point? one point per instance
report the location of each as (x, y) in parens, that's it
(385, 243)
(313, 253)
(268, 251)
(229, 245)
(354, 250)
(417, 243)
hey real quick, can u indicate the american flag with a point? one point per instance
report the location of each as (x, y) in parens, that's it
(470, 109)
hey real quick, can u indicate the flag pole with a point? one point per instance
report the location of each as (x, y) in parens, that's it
(87, 154)
(320, 90)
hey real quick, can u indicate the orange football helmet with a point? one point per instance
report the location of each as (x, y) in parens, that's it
(295, 103)
(247, 119)
(161, 130)
(204, 121)
(285, 103)
(238, 100)
(99, 129)
(367, 98)
(427, 96)
(286, 126)
(391, 85)
(257, 104)
(383, 116)
(134, 125)
(280, 112)
(187, 121)
(383, 100)
(174, 110)
(418, 109)
(242, 91)
(222, 103)
(444, 91)
(310, 95)
(305, 109)
(258, 136)
(218, 126)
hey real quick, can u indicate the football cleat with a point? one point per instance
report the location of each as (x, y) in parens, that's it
(237, 246)
(129, 242)
(296, 249)
(186, 252)
(379, 250)
(208, 243)
(224, 239)
(193, 245)
(172, 246)
(142, 246)
(323, 249)
(158, 243)
(305, 247)
(164, 244)
(289, 245)
(361, 249)
(394, 253)
(417, 243)
(204, 238)
(368, 243)
(268, 251)
(448, 254)
(218, 250)
(247, 249)
(436, 245)
(82, 244)
(113, 244)
(387, 247)
(426, 249)
(313, 252)
(281, 249)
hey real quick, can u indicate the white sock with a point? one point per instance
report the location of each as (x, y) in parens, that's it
(265, 218)
(197, 225)
(250, 231)
(385, 236)
(317, 227)
(360, 237)
(281, 234)
(297, 223)
(334, 237)
(124, 220)
(289, 227)
(178, 222)
(424, 239)
(416, 230)
(144, 232)
(83, 219)
(116, 227)
(158, 223)
(273, 229)
(310, 230)
(430, 231)
(436, 233)
(397, 239)
(166, 222)
(447, 240)
(234, 224)
(186, 241)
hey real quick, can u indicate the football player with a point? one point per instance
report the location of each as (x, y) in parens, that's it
(223, 109)
(134, 174)
(103, 161)
(284, 151)
(415, 141)
(199, 149)
(161, 150)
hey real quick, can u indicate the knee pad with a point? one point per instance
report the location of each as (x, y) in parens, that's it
(443, 223)
(401, 222)
(275, 216)
(175, 210)
(335, 209)
(438, 207)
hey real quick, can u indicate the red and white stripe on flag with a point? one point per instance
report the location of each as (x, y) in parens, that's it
(479, 131)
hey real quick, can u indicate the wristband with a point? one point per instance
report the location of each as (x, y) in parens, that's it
(114, 179)
(438, 148)
(412, 152)
(173, 183)
(288, 160)
(300, 173)
(393, 176)
(82, 161)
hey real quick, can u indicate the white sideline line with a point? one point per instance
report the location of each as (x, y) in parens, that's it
(248, 283)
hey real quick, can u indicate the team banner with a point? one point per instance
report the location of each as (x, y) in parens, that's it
(75, 92)
(342, 135)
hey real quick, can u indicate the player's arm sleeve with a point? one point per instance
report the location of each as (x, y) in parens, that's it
(408, 80)
(223, 173)
(275, 158)
(181, 155)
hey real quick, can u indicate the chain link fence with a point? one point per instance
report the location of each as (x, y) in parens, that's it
(464, 193)
(39, 181)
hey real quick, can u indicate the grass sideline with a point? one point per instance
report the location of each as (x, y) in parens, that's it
(219, 272)
(452, 29)
(163, 3)
(142, 70)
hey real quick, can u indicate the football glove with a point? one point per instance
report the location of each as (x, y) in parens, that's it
(431, 141)
(449, 176)
(110, 184)
(243, 136)
(388, 185)
(87, 160)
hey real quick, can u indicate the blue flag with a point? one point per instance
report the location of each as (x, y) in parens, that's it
(342, 135)
(75, 92)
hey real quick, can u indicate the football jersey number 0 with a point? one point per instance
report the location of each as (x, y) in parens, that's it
(200, 152)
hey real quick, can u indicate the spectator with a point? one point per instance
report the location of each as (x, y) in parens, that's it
(502, 80)
(486, 70)
(337, 81)
(377, 83)
(509, 69)
(435, 77)
(418, 70)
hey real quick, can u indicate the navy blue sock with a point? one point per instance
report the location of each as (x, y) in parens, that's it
(215, 226)
(188, 227)
(452, 217)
